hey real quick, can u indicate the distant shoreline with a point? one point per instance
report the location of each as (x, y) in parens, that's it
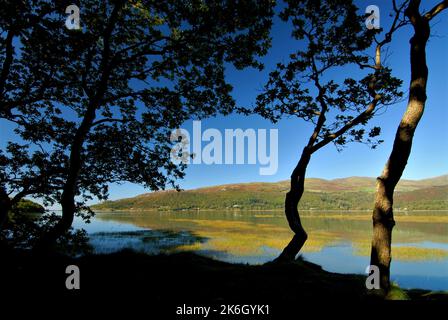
(346, 195)
(257, 210)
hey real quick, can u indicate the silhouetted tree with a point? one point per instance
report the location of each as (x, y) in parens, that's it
(383, 219)
(132, 73)
(313, 86)
(28, 81)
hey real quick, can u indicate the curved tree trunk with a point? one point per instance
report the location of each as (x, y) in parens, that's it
(75, 161)
(70, 187)
(383, 219)
(292, 213)
(69, 191)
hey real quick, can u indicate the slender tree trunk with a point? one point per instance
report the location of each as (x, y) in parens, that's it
(69, 191)
(75, 162)
(297, 188)
(291, 211)
(383, 219)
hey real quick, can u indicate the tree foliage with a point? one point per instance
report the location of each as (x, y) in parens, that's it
(329, 76)
(110, 93)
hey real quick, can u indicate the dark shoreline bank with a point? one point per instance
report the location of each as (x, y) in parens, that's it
(188, 277)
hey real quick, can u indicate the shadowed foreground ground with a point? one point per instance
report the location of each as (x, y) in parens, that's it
(184, 278)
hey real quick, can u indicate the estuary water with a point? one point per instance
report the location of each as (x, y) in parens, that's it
(338, 241)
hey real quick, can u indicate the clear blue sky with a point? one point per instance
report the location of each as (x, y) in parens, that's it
(429, 155)
(430, 150)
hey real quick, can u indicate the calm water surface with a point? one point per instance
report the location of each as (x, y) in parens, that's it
(339, 242)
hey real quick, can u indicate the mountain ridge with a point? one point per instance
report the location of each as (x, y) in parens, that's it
(351, 193)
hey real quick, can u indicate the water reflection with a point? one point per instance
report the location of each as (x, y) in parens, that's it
(148, 241)
(340, 242)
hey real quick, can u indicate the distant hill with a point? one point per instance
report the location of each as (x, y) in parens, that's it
(25, 206)
(354, 193)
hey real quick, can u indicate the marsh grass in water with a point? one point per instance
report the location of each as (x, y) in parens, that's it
(146, 241)
(340, 242)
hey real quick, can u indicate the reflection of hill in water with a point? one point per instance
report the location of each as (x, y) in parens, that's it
(265, 234)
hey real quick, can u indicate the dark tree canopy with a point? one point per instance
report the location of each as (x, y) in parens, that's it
(27, 83)
(114, 89)
(318, 80)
